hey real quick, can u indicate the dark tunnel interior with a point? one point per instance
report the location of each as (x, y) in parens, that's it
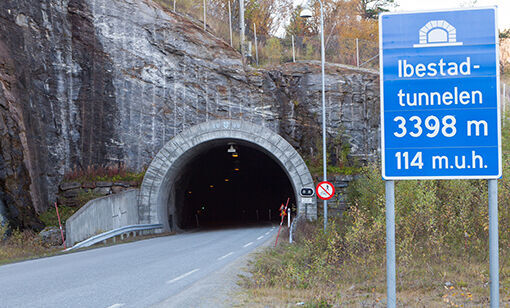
(231, 184)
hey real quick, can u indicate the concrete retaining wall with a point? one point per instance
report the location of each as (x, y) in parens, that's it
(102, 214)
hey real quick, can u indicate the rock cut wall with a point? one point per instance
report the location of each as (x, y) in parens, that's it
(101, 82)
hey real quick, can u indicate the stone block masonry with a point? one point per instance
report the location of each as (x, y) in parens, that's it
(156, 191)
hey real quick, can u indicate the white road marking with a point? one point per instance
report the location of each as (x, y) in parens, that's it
(183, 276)
(116, 306)
(248, 244)
(228, 254)
(260, 237)
(268, 232)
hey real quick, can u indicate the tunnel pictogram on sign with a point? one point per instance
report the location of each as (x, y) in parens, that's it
(325, 190)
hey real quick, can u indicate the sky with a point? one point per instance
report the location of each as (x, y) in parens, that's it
(503, 7)
(415, 5)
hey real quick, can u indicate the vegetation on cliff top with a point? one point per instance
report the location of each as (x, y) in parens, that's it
(117, 173)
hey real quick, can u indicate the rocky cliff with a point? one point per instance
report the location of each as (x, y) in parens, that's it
(98, 82)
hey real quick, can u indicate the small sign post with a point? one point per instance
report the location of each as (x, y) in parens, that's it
(440, 109)
(60, 225)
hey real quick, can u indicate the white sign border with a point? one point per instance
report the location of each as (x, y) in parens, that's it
(381, 89)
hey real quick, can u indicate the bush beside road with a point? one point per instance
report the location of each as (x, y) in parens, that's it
(441, 242)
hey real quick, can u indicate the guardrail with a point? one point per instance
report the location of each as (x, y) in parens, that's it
(113, 233)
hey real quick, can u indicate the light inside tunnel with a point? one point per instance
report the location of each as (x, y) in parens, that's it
(216, 188)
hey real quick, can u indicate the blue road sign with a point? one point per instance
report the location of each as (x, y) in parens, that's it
(440, 95)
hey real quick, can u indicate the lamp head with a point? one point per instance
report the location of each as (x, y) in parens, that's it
(306, 13)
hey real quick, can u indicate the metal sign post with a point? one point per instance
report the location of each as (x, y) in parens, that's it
(256, 45)
(391, 287)
(293, 50)
(357, 52)
(241, 27)
(494, 242)
(440, 109)
(288, 217)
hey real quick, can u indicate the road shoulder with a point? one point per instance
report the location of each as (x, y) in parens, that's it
(219, 289)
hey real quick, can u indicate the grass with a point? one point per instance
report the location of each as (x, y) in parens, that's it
(118, 173)
(23, 245)
(290, 274)
(49, 217)
(441, 248)
(26, 245)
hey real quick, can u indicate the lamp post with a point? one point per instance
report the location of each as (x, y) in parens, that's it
(307, 13)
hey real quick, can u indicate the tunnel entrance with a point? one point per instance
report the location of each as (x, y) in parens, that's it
(194, 177)
(230, 184)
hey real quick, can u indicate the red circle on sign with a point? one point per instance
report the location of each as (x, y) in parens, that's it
(325, 190)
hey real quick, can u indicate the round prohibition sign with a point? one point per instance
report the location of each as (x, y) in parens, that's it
(325, 190)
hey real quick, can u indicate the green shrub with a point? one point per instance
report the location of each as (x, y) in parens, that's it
(435, 220)
(49, 218)
(430, 215)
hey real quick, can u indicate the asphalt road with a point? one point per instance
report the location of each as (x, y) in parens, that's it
(137, 274)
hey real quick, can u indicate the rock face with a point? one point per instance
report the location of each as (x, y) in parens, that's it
(101, 82)
(15, 201)
(51, 236)
(352, 109)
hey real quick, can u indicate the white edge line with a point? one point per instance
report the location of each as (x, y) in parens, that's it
(248, 244)
(228, 254)
(116, 305)
(183, 275)
(260, 237)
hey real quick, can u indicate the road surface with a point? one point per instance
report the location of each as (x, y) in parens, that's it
(138, 274)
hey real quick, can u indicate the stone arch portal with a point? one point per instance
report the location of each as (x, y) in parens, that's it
(157, 200)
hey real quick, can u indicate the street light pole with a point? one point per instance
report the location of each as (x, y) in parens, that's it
(306, 13)
(324, 162)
